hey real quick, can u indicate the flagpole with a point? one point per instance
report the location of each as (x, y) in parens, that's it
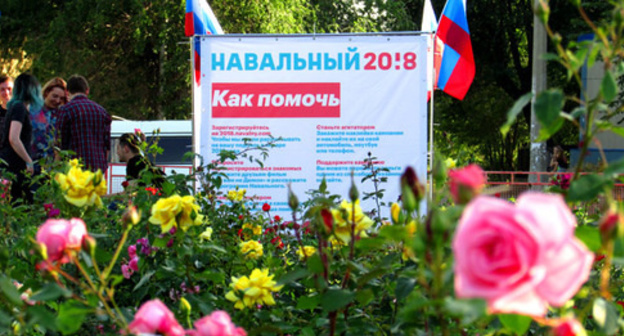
(431, 115)
(193, 136)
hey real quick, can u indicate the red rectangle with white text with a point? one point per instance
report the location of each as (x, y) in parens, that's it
(275, 100)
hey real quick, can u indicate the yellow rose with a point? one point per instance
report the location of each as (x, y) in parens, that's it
(207, 234)
(189, 215)
(257, 289)
(395, 211)
(81, 187)
(450, 163)
(251, 249)
(164, 212)
(308, 251)
(236, 195)
(343, 218)
(411, 228)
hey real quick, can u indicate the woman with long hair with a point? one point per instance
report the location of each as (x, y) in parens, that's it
(18, 133)
(44, 120)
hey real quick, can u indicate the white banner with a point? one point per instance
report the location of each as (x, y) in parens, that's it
(332, 98)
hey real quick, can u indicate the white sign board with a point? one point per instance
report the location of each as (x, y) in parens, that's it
(331, 98)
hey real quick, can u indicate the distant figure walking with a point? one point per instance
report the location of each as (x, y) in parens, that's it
(84, 126)
(17, 134)
(558, 162)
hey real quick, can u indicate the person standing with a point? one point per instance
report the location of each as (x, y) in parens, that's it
(84, 126)
(17, 134)
(6, 91)
(137, 165)
(44, 121)
(558, 162)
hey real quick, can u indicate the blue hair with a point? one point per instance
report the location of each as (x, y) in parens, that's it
(27, 90)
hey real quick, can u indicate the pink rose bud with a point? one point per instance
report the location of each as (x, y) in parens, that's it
(569, 327)
(610, 224)
(217, 324)
(466, 183)
(134, 264)
(154, 317)
(520, 257)
(60, 236)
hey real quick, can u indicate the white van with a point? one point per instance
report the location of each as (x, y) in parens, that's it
(176, 139)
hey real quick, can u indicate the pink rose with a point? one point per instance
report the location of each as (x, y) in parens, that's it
(521, 257)
(466, 183)
(132, 251)
(569, 327)
(134, 264)
(217, 324)
(60, 235)
(126, 271)
(154, 317)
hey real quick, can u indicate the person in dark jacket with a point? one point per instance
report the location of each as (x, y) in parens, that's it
(17, 135)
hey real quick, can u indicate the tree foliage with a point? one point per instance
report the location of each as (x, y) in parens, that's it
(136, 56)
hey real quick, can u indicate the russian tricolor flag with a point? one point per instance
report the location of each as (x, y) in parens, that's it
(457, 69)
(199, 20)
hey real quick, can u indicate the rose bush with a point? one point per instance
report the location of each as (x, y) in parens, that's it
(455, 261)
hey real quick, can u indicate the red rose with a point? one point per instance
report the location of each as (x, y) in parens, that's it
(266, 207)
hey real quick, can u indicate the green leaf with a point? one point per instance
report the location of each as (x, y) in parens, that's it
(160, 242)
(144, 279)
(308, 302)
(307, 332)
(215, 277)
(548, 106)
(10, 291)
(71, 315)
(546, 132)
(512, 114)
(608, 87)
(41, 316)
(335, 299)
(364, 297)
(587, 187)
(519, 324)
(293, 276)
(618, 130)
(393, 232)
(605, 316)
(315, 265)
(614, 169)
(49, 292)
(468, 310)
(5, 319)
(590, 236)
(404, 287)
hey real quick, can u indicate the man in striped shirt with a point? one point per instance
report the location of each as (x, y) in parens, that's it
(84, 126)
